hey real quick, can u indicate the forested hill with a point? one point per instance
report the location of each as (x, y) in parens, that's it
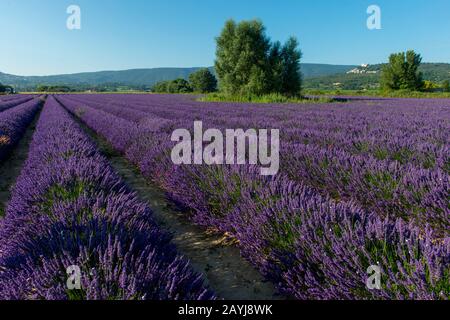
(139, 78)
(134, 78)
(368, 77)
(319, 76)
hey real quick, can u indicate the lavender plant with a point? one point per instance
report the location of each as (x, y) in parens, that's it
(363, 183)
(14, 121)
(69, 208)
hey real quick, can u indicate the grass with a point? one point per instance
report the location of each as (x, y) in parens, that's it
(268, 98)
(309, 95)
(85, 92)
(377, 93)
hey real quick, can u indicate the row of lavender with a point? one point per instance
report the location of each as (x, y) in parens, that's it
(404, 130)
(307, 243)
(14, 121)
(409, 179)
(69, 208)
(6, 104)
(408, 131)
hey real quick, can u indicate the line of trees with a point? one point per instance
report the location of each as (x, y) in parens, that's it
(6, 89)
(401, 73)
(103, 87)
(248, 63)
(54, 88)
(172, 86)
(446, 86)
(201, 81)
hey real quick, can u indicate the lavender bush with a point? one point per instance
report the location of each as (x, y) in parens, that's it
(362, 183)
(14, 121)
(9, 102)
(69, 208)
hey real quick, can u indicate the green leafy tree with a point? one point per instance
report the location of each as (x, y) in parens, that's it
(174, 86)
(413, 78)
(429, 86)
(42, 88)
(392, 73)
(291, 77)
(160, 87)
(242, 58)
(276, 67)
(402, 72)
(203, 81)
(179, 86)
(258, 82)
(247, 63)
(446, 86)
(6, 89)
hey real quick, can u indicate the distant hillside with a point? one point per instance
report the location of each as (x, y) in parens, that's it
(311, 70)
(138, 78)
(134, 77)
(317, 76)
(368, 77)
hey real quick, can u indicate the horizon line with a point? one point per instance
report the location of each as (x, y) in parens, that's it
(198, 67)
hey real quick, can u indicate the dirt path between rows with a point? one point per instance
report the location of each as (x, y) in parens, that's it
(226, 272)
(11, 166)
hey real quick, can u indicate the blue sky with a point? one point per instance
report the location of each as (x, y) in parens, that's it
(128, 34)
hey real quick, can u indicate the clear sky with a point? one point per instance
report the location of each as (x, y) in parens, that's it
(129, 34)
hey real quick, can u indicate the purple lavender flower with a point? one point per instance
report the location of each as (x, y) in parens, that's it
(69, 208)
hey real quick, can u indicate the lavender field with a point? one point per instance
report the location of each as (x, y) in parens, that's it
(364, 182)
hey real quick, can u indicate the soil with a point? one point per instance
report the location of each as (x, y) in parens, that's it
(225, 271)
(11, 166)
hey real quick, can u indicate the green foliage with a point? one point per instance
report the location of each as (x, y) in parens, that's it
(70, 191)
(248, 64)
(89, 88)
(343, 82)
(56, 88)
(203, 81)
(436, 72)
(241, 57)
(402, 72)
(160, 87)
(429, 86)
(6, 89)
(174, 86)
(377, 93)
(291, 77)
(265, 98)
(446, 86)
(276, 67)
(179, 86)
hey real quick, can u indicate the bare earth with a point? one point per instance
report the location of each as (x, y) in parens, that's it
(11, 166)
(226, 272)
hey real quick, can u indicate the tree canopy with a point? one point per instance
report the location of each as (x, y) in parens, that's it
(402, 72)
(174, 86)
(247, 62)
(6, 89)
(446, 86)
(203, 81)
(54, 88)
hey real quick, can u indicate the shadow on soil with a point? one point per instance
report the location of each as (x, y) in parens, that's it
(226, 272)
